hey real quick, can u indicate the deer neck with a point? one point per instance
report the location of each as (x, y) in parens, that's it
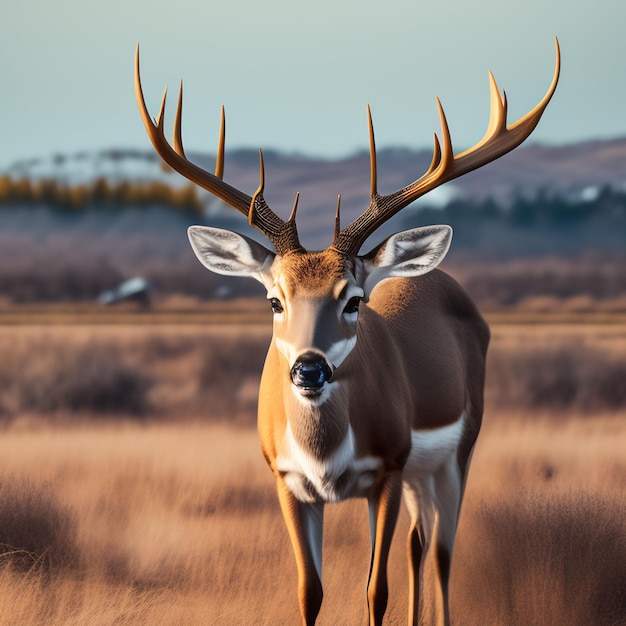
(319, 427)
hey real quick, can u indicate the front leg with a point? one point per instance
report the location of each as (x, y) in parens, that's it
(305, 523)
(384, 507)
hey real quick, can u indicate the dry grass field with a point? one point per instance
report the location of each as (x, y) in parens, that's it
(133, 489)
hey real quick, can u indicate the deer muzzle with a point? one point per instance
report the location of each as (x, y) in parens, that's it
(310, 373)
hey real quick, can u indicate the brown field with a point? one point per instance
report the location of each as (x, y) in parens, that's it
(133, 490)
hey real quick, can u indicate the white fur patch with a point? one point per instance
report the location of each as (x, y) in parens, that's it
(430, 449)
(225, 252)
(433, 483)
(341, 475)
(313, 524)
(314, 401)
(338, 352)
(416, 251)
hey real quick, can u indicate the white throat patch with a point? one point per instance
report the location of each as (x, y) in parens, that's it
(333, 479)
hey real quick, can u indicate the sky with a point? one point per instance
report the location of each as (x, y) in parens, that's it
(297, 76)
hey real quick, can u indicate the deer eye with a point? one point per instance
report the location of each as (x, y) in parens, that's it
(353, 305)
(277, 307)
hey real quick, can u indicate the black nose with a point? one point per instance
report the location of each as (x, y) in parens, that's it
(310, 372)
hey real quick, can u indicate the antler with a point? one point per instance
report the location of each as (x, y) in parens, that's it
(282, 234)
(497, 141)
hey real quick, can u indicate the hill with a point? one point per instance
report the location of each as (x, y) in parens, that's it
(71, 226)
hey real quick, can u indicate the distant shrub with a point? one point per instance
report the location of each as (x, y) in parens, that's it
(224, 360)
(35, 529)
(58, 280)
(230, 370)
(98, 193)
(93, 378)
(547, 559)
(516, 281)
(560, 376)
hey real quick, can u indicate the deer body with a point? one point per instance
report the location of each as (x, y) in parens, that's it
(373, 382)
(415, 428)
(418, 386)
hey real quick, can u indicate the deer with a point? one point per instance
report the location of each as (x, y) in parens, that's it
(374, 377)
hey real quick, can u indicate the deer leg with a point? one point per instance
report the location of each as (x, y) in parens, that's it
(448, 487)
(418, 499)
(384, 508)
(449, 493)
(415, 548)
(433, 504)
(305, 526)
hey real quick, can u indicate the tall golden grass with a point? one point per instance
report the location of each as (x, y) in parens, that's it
(178, 524)
(170, 516)
(182, 371)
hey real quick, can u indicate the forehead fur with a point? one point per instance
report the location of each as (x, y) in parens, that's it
(316, 272)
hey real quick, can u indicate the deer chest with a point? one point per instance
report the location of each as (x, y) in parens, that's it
(339, 476)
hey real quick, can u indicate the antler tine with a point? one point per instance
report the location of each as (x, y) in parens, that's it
(447, 152)
(178, 132)
(283, 234)
(338, 217)
(292, 217)
(373, 169)
(436, 155)
(258, 194)
(219, 161)
(160, 118)
(497, 141)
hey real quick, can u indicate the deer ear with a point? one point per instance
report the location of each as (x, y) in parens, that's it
(225, 252)
(409, 253)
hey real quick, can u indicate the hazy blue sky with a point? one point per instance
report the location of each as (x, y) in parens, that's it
(297, 76)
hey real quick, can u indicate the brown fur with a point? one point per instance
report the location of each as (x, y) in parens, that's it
(418, 364)
(313, 272)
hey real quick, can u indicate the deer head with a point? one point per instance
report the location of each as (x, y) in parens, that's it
(315, 296)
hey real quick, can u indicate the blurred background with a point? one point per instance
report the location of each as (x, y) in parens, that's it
(85, 204)
(129, 465)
